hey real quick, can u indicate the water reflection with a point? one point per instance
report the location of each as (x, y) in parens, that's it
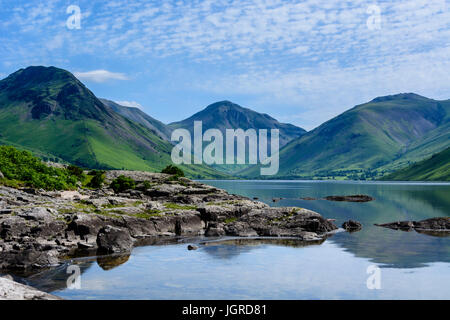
(394, 202)
(285, 268)
(111, 262)
(231, 248)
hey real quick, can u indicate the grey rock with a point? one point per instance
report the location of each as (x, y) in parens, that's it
(38, 214)
(352, 225)
(351, 198)
(5, 211)
(114, 240)
(11, 290)
(439, 224)
(214, 230)
(82, 245)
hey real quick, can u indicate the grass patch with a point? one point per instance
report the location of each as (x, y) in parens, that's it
(108, 213)
(230, 220)
(84, 205)
(149, 214)
(179, 207)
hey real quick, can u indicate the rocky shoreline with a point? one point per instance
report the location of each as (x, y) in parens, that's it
(43, 229)
(40, 229)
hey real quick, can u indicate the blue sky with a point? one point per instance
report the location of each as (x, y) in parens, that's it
(302, 62)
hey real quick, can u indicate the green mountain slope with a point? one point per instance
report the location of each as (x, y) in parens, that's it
(227, 115)
(385, 133)
(436, 168)
(50, 111)
(137, 115)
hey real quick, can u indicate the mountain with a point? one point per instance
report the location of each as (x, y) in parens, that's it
(436, 168)
(227, 115)
(368, 140)
(50, 112)
(137, 115)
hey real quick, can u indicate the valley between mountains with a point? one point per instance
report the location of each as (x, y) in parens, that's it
(48, 111)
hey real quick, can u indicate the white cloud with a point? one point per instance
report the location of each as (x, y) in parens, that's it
(131, 104)
(318, 56)
(100, 76)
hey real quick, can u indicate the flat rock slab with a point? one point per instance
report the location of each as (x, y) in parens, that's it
(11, 290)
(73, 195)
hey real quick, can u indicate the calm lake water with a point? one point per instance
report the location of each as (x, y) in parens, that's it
(413, 265)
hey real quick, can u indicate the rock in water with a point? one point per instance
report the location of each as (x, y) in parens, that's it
(352, 198)
(192, 247)
(114, 240)
(435, 224)
(440, 224)
(352, 226)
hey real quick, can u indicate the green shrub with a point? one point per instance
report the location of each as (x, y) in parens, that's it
(98, 178)
(147, 185)
(170, 169)
(22, 168)
(93, 172)
(122, 183)
(76, 171)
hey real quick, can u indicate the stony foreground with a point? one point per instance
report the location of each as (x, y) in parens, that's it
(39, 228)
(11, 290)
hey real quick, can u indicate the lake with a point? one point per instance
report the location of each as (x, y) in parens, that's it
(411, 265)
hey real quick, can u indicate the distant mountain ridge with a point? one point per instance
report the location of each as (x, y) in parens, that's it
(224, 115)
(137, 115)
(384, 134)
